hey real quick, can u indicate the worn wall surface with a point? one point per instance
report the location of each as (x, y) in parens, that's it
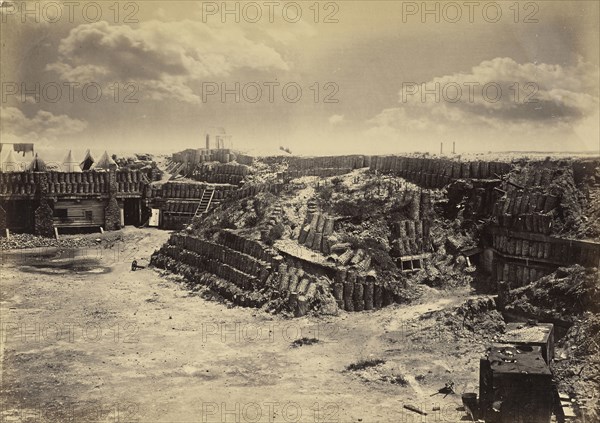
(44, 223)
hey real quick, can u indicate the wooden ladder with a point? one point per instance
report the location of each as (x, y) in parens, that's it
(204, 204)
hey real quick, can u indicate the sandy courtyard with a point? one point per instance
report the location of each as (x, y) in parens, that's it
(86, 339)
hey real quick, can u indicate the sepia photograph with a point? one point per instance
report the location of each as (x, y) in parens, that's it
(304, 211)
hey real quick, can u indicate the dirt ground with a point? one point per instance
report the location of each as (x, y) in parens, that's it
(86, 339)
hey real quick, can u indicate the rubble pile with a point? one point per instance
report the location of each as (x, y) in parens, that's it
(23, 241)
(142, 162)
(360, 236)
(478, 316)
(557, 197)
(570, 298)
(576, 367)
(562, 296)
(252, 215)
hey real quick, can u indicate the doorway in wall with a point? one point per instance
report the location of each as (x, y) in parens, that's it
(132, 211)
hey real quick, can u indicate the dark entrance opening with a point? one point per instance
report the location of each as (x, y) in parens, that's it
(132, 211)
(20, 215)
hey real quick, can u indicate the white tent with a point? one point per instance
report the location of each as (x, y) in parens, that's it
(10, 163)
(69, 164)
(105, 162)
(37, 165)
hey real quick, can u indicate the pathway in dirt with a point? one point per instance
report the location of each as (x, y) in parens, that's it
(116, 345)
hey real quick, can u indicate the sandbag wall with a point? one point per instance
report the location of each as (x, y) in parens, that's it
(519, 274)
(538, 174)
(357, 259)
(228, 173)
(177, 202)
(248, 273)
(288, 277)
(315, 232)
(18, 183)
(274, 220)
(294, 281)
(202, 155)
(251, 191)
(412, 235)
(328, 162)
(527, 204)
(175, 206)
(184, 190)
(324, 167)
(547, 249)
(436, 173)
(353, 291)
(321, 172)
(478, 195)
(243, 275)
(84, 182)
(526, 210)
(92, 182)
(131, 181)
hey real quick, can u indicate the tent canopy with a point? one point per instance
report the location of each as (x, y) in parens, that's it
(87, 162)
(37, 165)
(105, 162)
(69, 164)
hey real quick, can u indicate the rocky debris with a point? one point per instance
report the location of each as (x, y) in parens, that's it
(377, 371)
(475, 316)
(304, 341)
(561, 296)
(576, 366)
(23, 241)
(553, 193)
(364, 364)
(570, 297)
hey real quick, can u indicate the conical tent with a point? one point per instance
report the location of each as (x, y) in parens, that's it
(87, 162)
(69, 164)
(37, 165)
(10, 164)
(105, 162)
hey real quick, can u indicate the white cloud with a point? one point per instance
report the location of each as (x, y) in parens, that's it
(43, 127)
(336, 119)
(163, 58)
(526, 99)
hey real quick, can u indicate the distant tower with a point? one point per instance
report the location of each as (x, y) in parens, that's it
(217, 138)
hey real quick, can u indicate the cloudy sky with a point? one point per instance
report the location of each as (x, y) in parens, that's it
(346, 76)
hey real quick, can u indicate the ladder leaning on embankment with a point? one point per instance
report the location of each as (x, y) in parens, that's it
(205, 201)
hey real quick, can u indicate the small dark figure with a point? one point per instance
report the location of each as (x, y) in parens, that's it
(447, 389)
(134, 265)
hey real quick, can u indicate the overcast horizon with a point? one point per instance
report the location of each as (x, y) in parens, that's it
(345, 77)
